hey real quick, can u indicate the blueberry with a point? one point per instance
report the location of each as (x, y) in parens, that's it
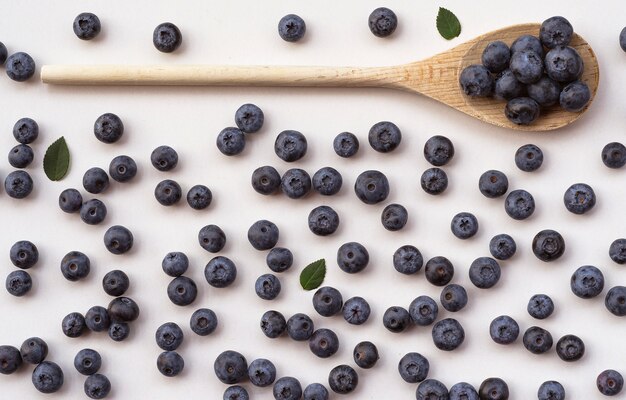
(545, 91)
(617, 251)
(540, 306)
(548, 245)
(169, 336)
(291, 28)
(122, 169)
(18, 184)
(384, 136)
(279, 259)
(448, 334)
(519, 204)
(273, 324)
(267, 286)
(579, 198)
(453, 297)
(439, 271)
(622, 40)
(522, 110)
(346, 144)
(166, 37)
(24, 254)
(507, 86)
(300, 327)
(108, 128)
(528, 158)
(168, 192)
(502, 247)
(423, 310)
(175, 263)
(18, 283)
(570, 348)
(86, 26)
(295, 183)
(212, 238)
(87, 361)
(413, 367)
(371, 187)
(555, 31)
(327, 181)
(352, 257)
(20, 67)
(464, 225)
(407, 260)
(493, 183)
(97, 386)
(182, 291)
(236, 392)
(493, 389)
(575, 96)
(249, 118)
(261, 372)
(396, 319)
(527, 42)
(551, 390)
(587, 282)
(431, 389)
(164, 158)
(34, 350)
(265, 180)
(220, 272)
(394, 217)
(496, 56)
(123, 309)
(263, 235)
(119, 331)
(365, 354)
(75, 266)
(563, 64)
(323, 221)
(118, 239)
(3, 53)
(438, 150)
(610, 382)
(287, 388)
(73, 325)
(170, 363)
(93, 212)
(230, 141)
(463, 391)
(70, 200)
(615, 300)
(484, 272)
(199, 197)
(26, 130)
(356, 310)
(327, 301)
(434, 181)
(614, 155)
(290, 145)
(203, 321)
(97, 319)
(230, 367)
(10, 359)
(476, 81)
(343, 379)
(537, 340)
(315, 391)
(323, 343)
(47, 377)
(382, 22)
(95, 180)
(21, 156)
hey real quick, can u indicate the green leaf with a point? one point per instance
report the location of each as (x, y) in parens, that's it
(448, 24)
(313, 275)
(56, 161)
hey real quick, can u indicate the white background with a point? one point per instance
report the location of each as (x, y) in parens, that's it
(188, 119)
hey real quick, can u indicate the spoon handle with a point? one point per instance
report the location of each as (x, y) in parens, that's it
(204, 75)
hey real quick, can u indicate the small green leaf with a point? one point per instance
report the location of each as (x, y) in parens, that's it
(313, 275)
(448, 24)
(56, 161)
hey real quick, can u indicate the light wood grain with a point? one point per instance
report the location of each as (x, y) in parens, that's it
(436, 77)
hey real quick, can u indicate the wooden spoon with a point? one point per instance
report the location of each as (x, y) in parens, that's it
(436, 77)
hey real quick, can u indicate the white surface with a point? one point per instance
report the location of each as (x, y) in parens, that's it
(188, 119)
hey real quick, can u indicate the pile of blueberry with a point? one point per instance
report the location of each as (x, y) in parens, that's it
(527, 76)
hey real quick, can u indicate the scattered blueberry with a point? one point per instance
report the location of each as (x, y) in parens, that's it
(300, 327)
(431, 389)
(290, 145)
(356, 310)
(169, 336)
(384, 136)
(287, 388)
(365, 354)
(230, 367)
(70, 200)
(315, 391)
(493, 389)
(249, 118)
(343, 379)
(164, 158)
(18, 283)
(170, 363)
(236, 392)
(118, 239)
(168, 192)
(93, 212)
(273, 324)
(47, 377)
(579, 198)
(182, 291)
(108, 128)
(519, 204)
(175, 263)
(279, 259)
(230, 141)
(97, 319)
(323, 221)
(439, 271)
(622, 39)
(407, 260)
(448, 334)
(413, 367)
(453, 297)
(551, 390)
(3, 53)
(615, 301)
(548, 245)
(265, 180)
(502, 247)
(484, 272)
(261, 372)
(291, 28)
(382, 22)
(371, 187)
(324, 343)
(24, 254)
(540, 306)
(122, 168)
(115, 283)
(10, 359)
(614, 155)
(434, 181)
(123, 309)
(537, 340)
(203, 321)
(75, 265)
(166, 37)
(327, 181)
(463, 391)
(396, 319)
(570, 348)
(610, 382)
(20, 67)
(346, 144)
(587, 282)
(267, 286)
(212, 238)
(18, 184)
(263, 234)
(34, 350)
(423, 310)
(97, 386)
(464, 225)
(394, 217)
(95, 180)
(26, 130)
(220, 272)
(86, 26)
(617, 251)
(21, 156)
(87, 361)
(73, 325)
(295, 183)
(352, 257)
(493, 184)
(119, 331)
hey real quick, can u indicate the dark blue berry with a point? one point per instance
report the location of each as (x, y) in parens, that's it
(396, 319)
(434, 181)
(522, 110)
(315, 391)
(453, 297)
(3, 53)
(70, 200)
(507, 86)
(394, 217)
(199, 197)
(291, 28)
(168, 192)
(119, 331)
(236, 392)
(324, 343)
(118, 239)
(21, 156)
(175, 263)
(476, 81)
(464, 225)
(169, 336)
(26, 130)
(615, 301)
(494, 389)
(484, 272)
(287, 388)
(18, 184)
(382, 22)
(323, 221)
(343, 379)
(356, 310)
(300, 327)
(570, 348)
(575, 96)
(267, 286)
(230, 141)
(548, 245)
(327, 181)
(220, 272)
(230, 367)
(537, 340)
(448, 334)
(261, 372)
(108, 128)
(579, 198)
(365, 354)
(519, 204)
(115, 283)
(47, 377)
(203, 322)
(407, 260)
(75, 265)
(24, 254)
(564, 64)
(122, 169)
(551, 390)
(249, 118)
(265, 180)
(622, 39)
(327, 301)
(384, 136)
(86, 26)
(279, 259)
(170, 363)
(463, 391)
(540, 306)
(87, 361)
(527, 42)
(438, 150)
(263, 234)
(545, 91)
(617, 251)
(97, 386)
(371, 187)
(212, 238)
(346, 144)
(614, 155)
(431, 389)
(167, 37)
(587, 282)
(555, 31)
(10, 359)
(18, 283)
(273, 324)
(413, 367)
(182, 291)
(95, 180)
(93, 212)
(610, 382)
(164, 158)
(20, 67)
(496, 56)
(352, 257)
(97, 319)
(423, 310)
(493, 184)
(34, 350)
(73, 325)
(295, 183)
(290, 145)
(123, 309)
(439, 271)
(502, 247)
